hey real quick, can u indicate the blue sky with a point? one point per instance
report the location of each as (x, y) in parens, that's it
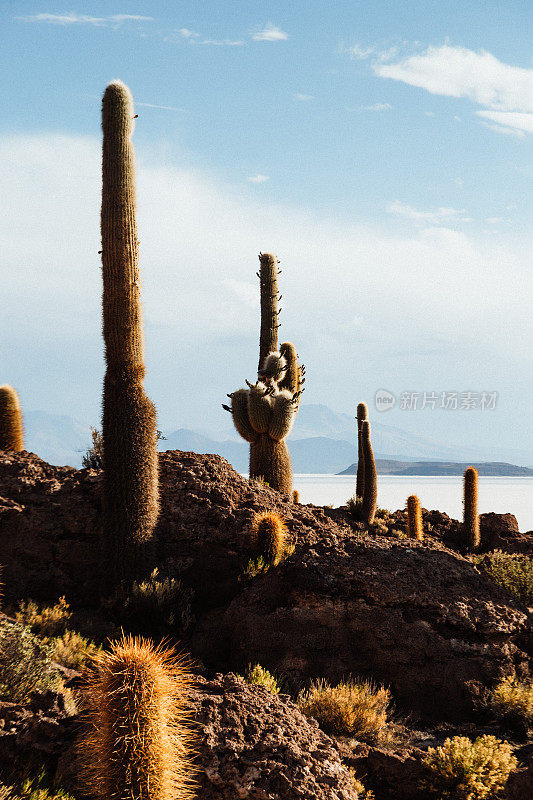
(382, 150)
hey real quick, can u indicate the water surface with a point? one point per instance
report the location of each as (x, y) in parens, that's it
(499, 494)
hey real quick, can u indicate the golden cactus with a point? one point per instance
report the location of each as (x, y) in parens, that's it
(130, 487)
(270, 535)
(137, 744)
(470, 515)
(295, 496)
(414, 518)
(11, 431)
(268, 337)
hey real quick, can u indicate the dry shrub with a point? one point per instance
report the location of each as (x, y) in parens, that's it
(72, 650)
(466, 770)
(512, 701)
(46, 621)
(357, 710)
(94, 457)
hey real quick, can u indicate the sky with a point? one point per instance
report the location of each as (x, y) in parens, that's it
(381, 150)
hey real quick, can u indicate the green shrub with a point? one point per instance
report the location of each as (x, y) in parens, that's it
(357, 710)
(263, 677)
(25, 663)
(35, 788)
(466, 770)
(355, 508)
(512, 571)
(512, 700)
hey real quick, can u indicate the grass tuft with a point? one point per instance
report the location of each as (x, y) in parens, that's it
(512, 571)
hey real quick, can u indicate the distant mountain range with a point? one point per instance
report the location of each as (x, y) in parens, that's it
(388, 467)
(323, 442)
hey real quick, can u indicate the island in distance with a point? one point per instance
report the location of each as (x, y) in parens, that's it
(495, 468)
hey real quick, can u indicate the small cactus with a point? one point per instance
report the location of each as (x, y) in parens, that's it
(11, 431)
(370, 494)
(264, 413)
(295, 496)
(270, 536)
(138, 745)
(414, 518)
(362, 414)
(470, 515)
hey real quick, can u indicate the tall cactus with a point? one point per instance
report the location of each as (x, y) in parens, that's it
(264, 413)
(130, 487)
(362, 414)
(414, 518)
(470, 515)
(370, 494)
(11, 431)
(137, 745)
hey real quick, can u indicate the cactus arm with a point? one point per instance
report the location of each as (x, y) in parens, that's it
(241, 420)
(259, 407)
(414, 518)
(471, 518)
(268, 277)
(283, 415)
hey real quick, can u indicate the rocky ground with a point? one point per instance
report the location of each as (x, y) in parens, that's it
(416, 616)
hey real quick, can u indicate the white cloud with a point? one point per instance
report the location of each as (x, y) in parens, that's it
(377, 107)
(494, 220)
(504, 90)
(259, 178)
(459, 72)
(430, 113)
(458, 181)
(505, 131)
(164, 108)
(187, 34)
(115, 20)
(510, 119)
(222, 42)
(199, 246)
(357, 52)
(303, 97)
(270, 33)
(440, 216)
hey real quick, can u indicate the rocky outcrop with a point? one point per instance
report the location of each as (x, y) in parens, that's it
(413, 615)
(251, 745)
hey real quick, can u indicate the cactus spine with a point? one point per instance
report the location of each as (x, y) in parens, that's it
(370, 495)
(129, 419)
(11, 431)
(270, 534)
(264, 413)
(414, 518)
(137, 745)
(470, 516)
(362, 414)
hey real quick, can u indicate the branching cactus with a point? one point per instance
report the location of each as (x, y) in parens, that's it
(11, 431)
(471, 518)
(130, 486)
(370, 494)
(362, 414)
(137, 745)
(414, 518)
(264, 413)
